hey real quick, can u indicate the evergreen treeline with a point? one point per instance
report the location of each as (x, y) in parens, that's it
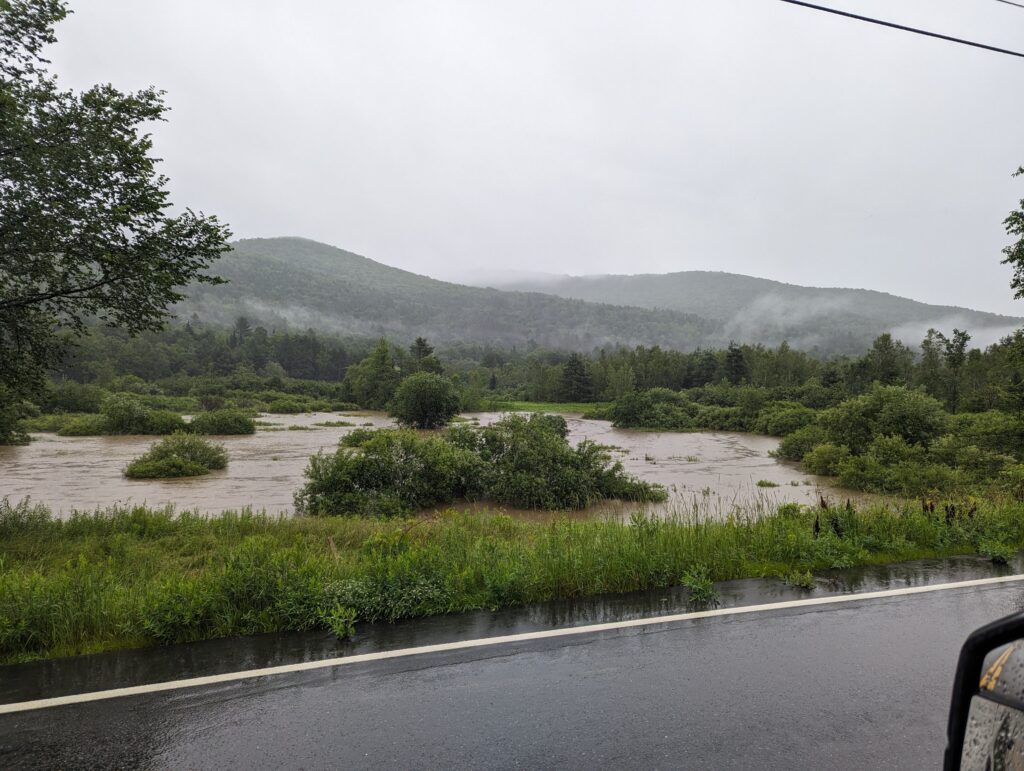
(962, 377)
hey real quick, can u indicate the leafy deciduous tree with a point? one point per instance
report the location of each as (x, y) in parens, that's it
(84, 227)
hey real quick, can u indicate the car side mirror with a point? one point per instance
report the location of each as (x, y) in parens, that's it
(986, 715)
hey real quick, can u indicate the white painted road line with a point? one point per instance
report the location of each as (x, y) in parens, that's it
(228, 677)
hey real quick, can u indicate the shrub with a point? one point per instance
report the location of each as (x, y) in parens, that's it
(884, 411)
(287, 406)
(163, 422)
(997, 432)
(222, 423)
(425, 400)
(84, 425)
(996, 551)
(357, 437)
(179, 455)
(800, 442)
(125, 414)
(75, 397)
(657, 408)
(531, 464)
(825, 459)
(800, 579)
(783, 418)
(392, 472)
(1011, 479)
(977, 463)
(519, 461)
(702, 590)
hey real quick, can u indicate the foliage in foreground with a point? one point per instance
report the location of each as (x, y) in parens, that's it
(178, 455)
(518, 461)
(132, 577)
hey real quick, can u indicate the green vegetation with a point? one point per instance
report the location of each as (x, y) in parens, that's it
(131, 577)
(892, 439)
(223, 422)
(85, 225)
(518, 461)
(178, 455)
(424, 400)
(702, 588)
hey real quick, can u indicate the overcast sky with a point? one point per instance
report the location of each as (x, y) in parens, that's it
(748, 136)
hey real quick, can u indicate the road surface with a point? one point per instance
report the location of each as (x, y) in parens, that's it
(855, 684)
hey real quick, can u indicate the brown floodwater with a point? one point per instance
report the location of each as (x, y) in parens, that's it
(711, 474)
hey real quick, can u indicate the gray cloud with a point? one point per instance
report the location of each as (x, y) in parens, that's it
(586, 137)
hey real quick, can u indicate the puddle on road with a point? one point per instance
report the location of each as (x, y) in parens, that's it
(708, 473)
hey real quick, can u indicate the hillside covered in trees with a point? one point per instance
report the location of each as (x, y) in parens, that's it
(758, 310)
(303, 284)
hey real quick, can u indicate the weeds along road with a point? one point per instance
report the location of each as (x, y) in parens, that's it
(855, 684)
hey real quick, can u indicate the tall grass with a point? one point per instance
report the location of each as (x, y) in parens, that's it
(134, 576)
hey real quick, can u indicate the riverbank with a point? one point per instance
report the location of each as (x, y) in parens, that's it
(122, 578)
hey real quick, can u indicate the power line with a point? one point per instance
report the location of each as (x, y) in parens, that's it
(914, 30)
(1010, 2)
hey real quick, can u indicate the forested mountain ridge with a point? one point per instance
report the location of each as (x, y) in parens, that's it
(299, 283)
(302, 283)
(751, 309)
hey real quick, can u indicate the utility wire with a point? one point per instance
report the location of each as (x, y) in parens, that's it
(914, 30)
(1010, 2)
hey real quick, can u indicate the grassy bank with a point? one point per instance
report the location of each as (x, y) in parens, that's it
(135, 577)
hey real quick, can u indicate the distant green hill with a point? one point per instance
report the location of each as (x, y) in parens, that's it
(752, 309)
(302, 283)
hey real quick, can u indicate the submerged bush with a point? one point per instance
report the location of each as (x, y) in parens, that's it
(519, 461)
(800, 442)
(287, 406)
(163, 422)
(179, 455)
(125, 414)
(84, 425)
(222, 423)
(825, 459)
(357, 437)
(783, 418)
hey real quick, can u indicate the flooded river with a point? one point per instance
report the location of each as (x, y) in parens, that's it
(712, 472)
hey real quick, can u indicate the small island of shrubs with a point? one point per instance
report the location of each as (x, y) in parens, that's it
(517, 461)
(178, 455)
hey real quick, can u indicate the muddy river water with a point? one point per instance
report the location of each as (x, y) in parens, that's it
(711, 473)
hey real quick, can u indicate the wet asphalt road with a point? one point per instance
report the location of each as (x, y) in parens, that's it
(858, 685)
